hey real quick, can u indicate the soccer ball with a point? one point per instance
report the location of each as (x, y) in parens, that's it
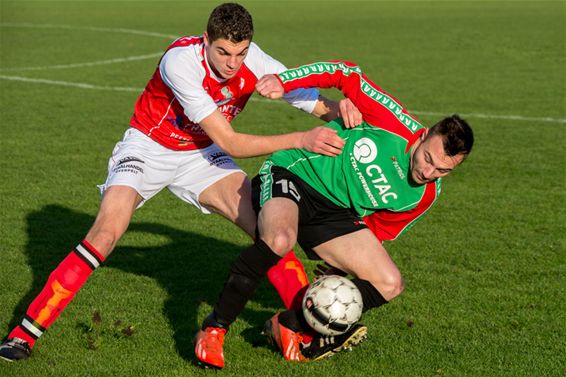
(332, 305)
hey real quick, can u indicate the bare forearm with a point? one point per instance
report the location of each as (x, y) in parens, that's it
(317, 140)
(245, 145)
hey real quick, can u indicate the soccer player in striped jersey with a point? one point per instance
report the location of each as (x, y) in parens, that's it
(340, 209)
(180, 138)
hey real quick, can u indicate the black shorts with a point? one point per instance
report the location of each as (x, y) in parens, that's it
(320, 220)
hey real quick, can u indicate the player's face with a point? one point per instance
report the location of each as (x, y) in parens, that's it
(429, 161)
(225, 57)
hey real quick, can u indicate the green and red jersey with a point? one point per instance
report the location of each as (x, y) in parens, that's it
(372, 174)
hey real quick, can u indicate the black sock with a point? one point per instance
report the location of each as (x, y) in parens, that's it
(294, 320)
(245, 275)
(370, 296)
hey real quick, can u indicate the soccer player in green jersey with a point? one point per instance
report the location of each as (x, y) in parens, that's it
(339, 209)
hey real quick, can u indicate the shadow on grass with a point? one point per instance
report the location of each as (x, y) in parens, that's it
(191, 268)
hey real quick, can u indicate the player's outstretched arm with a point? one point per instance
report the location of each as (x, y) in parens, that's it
(321, 140)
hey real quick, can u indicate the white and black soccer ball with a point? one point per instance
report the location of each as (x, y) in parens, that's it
(332, 305)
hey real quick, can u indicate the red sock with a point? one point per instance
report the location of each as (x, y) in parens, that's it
(62, 285)
(290, 280)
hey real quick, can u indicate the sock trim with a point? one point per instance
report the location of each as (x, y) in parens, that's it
(270, 256)
(30, 328)
(91, 259)
(93, 250)
(371, 297)
(34, 323)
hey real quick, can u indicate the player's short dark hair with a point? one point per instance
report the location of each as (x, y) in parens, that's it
(230, 21)
(457, 134)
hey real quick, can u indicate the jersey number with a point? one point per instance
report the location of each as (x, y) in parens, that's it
(289, 188)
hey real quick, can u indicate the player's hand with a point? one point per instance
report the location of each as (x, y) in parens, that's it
(269, 86)
(326, 269)
(322, 140)
(349, 113)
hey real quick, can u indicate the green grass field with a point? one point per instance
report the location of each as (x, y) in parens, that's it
(485, 269)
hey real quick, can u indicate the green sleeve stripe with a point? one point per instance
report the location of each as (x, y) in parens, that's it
(317, 68)
(390, 104)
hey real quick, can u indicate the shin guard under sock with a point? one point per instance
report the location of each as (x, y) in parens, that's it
(62, 285)
(245, 275)
(290, 280)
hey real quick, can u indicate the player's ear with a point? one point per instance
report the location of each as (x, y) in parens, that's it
(205, 35)
(425, 132)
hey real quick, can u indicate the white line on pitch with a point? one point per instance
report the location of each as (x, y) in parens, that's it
(127, 89)
(89, 28)
(503, 117)
(71, 84)
(465, 115)
(90, 64)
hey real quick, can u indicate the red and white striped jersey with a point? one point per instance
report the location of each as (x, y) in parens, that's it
(184, 90)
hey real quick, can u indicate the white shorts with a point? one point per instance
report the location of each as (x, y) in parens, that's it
(145, 165)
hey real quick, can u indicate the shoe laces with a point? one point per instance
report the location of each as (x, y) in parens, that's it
(215, 338)
(297, 338)
(293, 350)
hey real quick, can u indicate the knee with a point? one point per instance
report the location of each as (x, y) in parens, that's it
(282, 241)
(390, 286)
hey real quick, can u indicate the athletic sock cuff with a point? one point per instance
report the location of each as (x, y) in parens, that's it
(88, 255)
(255, 261)
(269, 256)
(93, 250)
(370, 295)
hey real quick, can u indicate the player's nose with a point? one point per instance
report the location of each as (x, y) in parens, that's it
(232, 62)
(428, 172)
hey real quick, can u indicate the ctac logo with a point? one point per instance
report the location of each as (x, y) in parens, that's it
(365, 150)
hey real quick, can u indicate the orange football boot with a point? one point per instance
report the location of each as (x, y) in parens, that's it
(208, 346)
(287, 340)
